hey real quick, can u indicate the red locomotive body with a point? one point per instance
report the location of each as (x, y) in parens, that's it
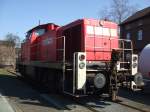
(41, 43)
(81, 58)
(96, 38)
(25, 51)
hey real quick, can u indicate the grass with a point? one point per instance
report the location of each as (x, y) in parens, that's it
(3, 72)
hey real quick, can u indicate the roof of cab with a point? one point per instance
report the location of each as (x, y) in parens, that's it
(41, 26)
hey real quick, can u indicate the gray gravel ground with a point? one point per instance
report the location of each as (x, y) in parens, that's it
(22, 97)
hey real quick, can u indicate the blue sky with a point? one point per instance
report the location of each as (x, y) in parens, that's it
(18, 16)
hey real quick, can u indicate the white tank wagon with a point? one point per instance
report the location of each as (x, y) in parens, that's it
(144, 61)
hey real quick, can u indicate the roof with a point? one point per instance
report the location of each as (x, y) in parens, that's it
(39, 26)
(137, 15)
(88, 21)
(2, 42)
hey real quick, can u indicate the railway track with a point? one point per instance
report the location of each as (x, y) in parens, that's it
(16, 108)
(129, 106)
(89, 107)
(116, 102)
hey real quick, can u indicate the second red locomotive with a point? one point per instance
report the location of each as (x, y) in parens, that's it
(81, 58)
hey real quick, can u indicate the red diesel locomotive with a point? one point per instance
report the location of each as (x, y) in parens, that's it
(85, 57)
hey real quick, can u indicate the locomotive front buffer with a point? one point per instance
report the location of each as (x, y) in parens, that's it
(95, 78)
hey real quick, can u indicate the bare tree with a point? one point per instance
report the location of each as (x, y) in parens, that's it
(118, 11)
(11, 42)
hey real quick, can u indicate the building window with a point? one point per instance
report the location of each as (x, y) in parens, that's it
(140, 22)
(140, 33)
(128, 36)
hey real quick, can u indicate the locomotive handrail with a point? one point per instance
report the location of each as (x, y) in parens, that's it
(64, 59)
(64, 47)
(38, 43)
(112, 38)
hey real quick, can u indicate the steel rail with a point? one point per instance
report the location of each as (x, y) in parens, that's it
(133, 107)
(87, 106)
(90, 107)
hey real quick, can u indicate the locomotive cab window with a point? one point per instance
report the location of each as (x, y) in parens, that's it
(40, 32)
(28, 35)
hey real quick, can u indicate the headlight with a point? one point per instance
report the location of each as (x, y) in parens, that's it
(81, 57)
(99, 80)
(81, 65)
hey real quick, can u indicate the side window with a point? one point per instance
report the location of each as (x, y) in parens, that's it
(40, 32)
(28, 35)
(140, 35)
(140, 22)
(128, 36)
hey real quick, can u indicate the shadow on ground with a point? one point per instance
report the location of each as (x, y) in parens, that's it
(16, 87)
(13, 88)
(137, 96)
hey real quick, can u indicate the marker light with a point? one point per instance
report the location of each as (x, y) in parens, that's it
(81, 65)
(82, 57)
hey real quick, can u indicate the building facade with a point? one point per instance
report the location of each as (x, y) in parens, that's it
(137, 28)
(7, 55)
